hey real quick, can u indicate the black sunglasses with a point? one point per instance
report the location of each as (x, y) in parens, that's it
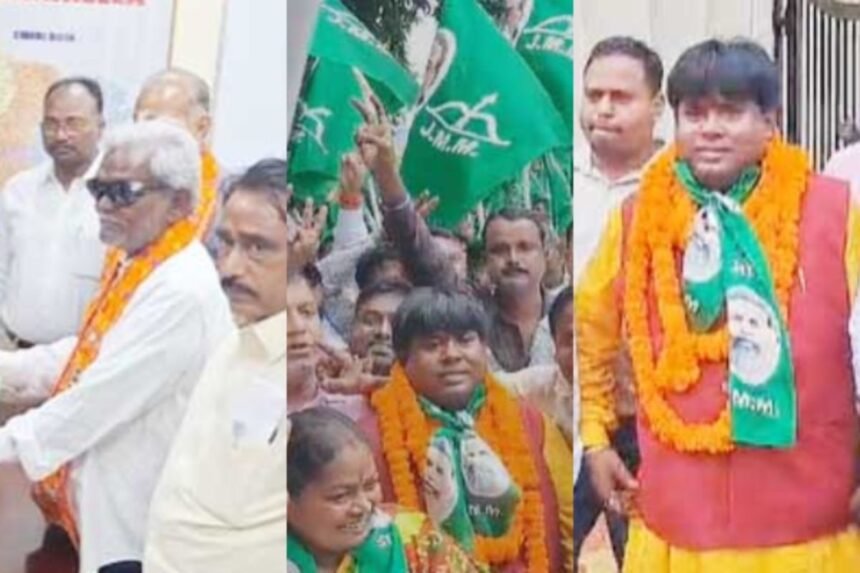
(121, 192)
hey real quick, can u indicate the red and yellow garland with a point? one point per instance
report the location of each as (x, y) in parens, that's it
(500, 424)
(659, 232)
(117, 288)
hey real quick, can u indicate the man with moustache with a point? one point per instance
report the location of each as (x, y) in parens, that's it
(221, 503)
(115, 395)
(50, 253)
(370, 337)
(514, 240)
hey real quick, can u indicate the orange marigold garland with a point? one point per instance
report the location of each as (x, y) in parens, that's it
(659, 232)
(500, 424)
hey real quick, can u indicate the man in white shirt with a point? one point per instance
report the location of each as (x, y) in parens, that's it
(621, 104)
(50, 253)
(117, 392)
(221, 503)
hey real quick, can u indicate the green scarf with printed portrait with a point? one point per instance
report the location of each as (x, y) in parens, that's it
(726, 274)
(485, 497)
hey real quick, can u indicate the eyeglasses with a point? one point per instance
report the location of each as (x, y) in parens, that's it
(71, 125)
(121, 192)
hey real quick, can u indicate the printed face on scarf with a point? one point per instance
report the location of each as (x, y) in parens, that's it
(703, 253)
(755, 345)
(439, 481)
(485, 474)
(333, 513)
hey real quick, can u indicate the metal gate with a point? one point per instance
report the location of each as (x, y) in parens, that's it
(817, 44)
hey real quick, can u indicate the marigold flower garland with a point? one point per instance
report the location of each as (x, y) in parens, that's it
(103, 312)
(659, 232)
(500, 424)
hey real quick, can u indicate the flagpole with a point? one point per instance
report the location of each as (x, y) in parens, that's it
(374, 203)
(527, 194)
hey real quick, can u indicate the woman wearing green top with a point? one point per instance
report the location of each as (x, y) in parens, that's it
(335, 521)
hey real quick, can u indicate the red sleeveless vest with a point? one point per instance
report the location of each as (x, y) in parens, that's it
(755, 498)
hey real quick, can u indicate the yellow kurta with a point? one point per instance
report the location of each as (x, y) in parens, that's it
(599, 340)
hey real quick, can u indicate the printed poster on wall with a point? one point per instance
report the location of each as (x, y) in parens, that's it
(117, 42)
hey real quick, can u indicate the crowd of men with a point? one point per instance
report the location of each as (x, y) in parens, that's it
(149, 368)
(451, 369)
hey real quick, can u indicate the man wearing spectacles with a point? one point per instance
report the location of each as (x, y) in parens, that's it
(221, 505)
(114, 395)
(50, 253)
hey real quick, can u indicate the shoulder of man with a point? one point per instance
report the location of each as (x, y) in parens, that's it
(25, 180)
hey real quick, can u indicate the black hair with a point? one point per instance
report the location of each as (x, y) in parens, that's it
(635, 49)
(317, 436)
(380, 288)
(308, 273)
(427, 311)
(371, 262)
(267, 177)
(736, 69)
(516, 214)
(561, 302)
(90, 85)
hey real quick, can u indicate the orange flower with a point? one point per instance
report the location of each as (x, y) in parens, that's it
(659, 232)
(500, 424)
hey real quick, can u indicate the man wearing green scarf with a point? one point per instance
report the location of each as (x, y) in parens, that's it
(451, 441)
(732, 272)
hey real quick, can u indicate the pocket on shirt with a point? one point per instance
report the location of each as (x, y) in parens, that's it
(243, 484)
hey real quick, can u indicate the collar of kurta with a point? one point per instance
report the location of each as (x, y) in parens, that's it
(270, 334)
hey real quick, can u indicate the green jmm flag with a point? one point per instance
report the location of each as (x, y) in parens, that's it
(325, 121)
(323, 129)
(341, 37)
(483, 115)
(546, 44)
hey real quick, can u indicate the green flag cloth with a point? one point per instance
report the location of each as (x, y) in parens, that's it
(467, 489)
(725, 270)
(343, 38)
(323, 129)
(546, 44)
(382, 550)
(326, 122)
(483, 115)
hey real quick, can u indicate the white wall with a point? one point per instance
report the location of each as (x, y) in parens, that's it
(251, 88)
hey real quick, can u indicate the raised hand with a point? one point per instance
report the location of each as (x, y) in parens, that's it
(305, 242)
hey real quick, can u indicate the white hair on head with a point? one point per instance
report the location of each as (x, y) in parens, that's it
(172, 155)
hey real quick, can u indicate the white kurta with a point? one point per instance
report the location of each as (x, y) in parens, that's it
(221, 504)
(50, 254)
(117, 424)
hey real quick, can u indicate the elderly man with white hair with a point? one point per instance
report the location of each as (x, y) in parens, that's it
(114, 395)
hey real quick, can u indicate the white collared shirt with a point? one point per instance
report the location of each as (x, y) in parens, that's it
(116, 425)
(594, 198)
(50, 253)
(221, 503)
